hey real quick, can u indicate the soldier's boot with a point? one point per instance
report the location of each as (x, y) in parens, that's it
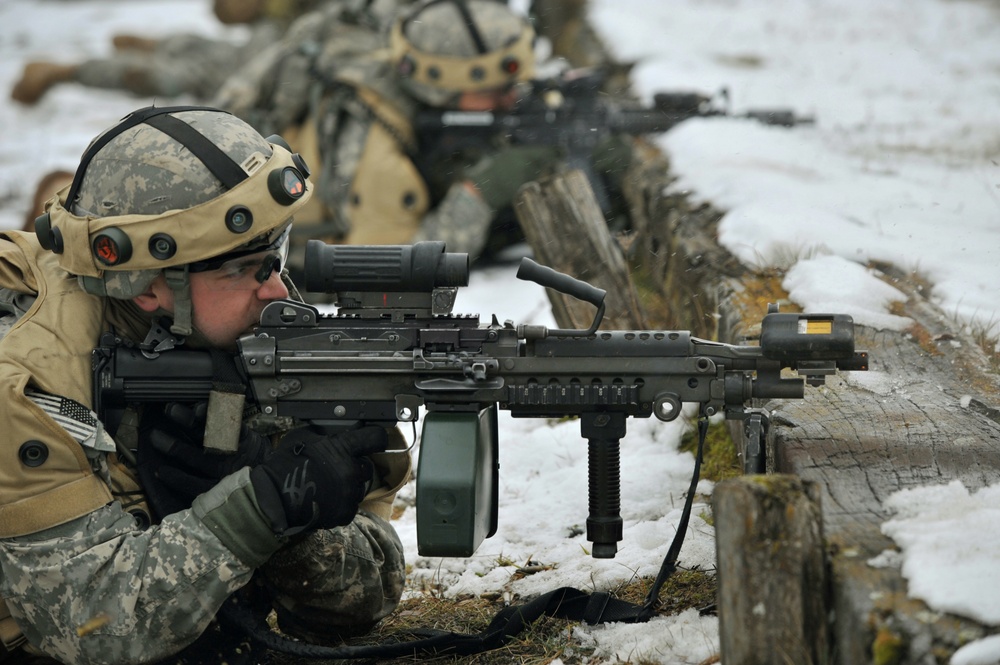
(37, 78)
(134, 43)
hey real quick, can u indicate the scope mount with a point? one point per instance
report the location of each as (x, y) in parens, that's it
(373, 304)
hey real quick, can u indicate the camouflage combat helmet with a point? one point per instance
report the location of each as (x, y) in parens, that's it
(441, 48)
(172, 189)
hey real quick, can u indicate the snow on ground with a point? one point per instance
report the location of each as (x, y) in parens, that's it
(902, 165)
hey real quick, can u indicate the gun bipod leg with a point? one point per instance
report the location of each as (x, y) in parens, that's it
(603, 432)
(755, 424)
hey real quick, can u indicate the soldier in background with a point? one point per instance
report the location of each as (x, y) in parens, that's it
(564, 23)
(376, 184)
(339, 89)
(181, 64)
(277, 89)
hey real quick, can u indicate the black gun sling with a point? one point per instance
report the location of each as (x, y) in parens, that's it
(563, 603)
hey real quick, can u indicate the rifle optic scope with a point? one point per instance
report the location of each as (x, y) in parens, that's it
(420, 267)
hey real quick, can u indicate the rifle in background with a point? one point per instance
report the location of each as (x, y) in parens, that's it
(572, 113)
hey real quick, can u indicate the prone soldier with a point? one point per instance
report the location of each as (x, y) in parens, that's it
(121, 542)
(175, 65)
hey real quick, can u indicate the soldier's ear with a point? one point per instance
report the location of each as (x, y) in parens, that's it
(147, 302)
(158, 295)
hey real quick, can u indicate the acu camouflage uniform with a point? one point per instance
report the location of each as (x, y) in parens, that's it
(342, 104)
(188, 64)
(276, 90)
(86, 576)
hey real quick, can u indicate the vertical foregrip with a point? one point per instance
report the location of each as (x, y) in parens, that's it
(603, 432)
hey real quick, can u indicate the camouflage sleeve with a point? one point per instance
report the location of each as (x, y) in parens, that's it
(462, 220)
(344, 135)
(98, 590)
(271, 89)
(336, 583)
(278, 85)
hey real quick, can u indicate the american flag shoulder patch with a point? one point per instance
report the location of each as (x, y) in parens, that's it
(81, 423)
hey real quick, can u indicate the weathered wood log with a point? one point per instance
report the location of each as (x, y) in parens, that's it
(903, 425)
(563, 223)
(674, 247)
(772, 571)
(862, 438)
(564, 23)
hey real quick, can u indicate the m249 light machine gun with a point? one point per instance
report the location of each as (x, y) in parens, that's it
(395, 346)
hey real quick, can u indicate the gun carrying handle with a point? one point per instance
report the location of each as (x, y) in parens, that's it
(545, 276)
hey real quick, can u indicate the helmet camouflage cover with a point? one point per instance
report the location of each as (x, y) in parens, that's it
(167, 187)
(441, 48)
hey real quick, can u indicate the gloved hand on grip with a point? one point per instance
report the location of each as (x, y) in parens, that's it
(315, 480)
(498, 176)
(174, 464)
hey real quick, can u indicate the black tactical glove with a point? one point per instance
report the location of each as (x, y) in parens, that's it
(316, 480)
(498, 176)
(174, 465)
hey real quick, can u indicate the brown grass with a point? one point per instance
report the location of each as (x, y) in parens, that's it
(540, 644)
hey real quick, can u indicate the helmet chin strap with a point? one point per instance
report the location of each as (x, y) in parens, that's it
(161, 337)
(179, 281)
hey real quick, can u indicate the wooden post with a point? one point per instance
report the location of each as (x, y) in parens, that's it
(772, 574)
(567, 232)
